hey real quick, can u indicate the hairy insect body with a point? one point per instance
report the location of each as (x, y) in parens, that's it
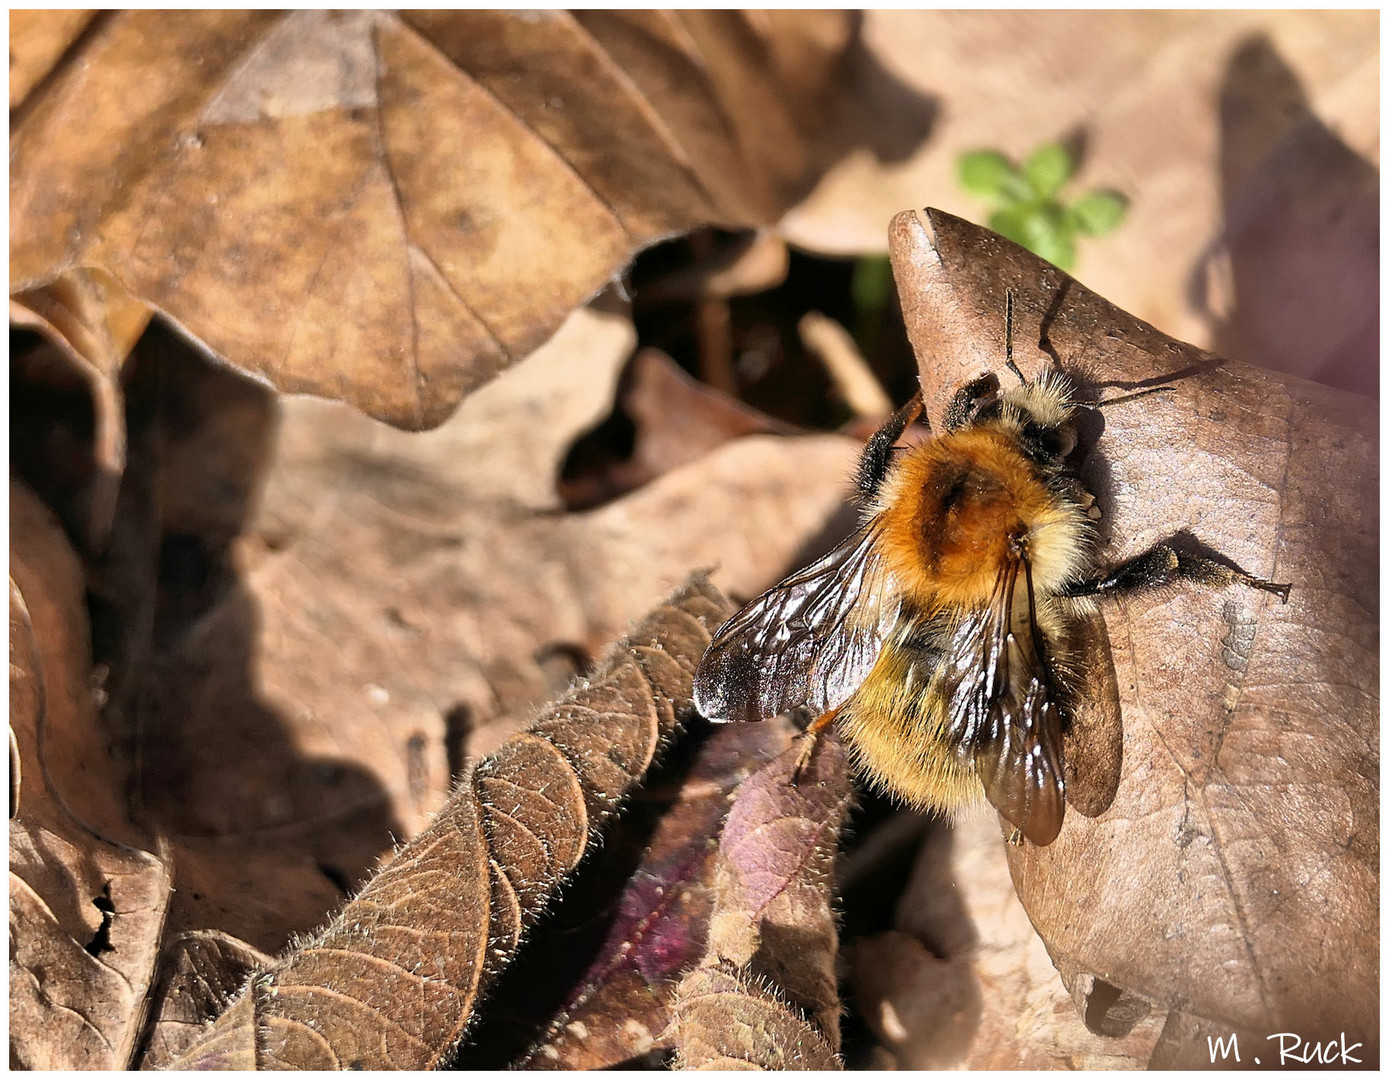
(898, 734)
(956, 511)
(955, 516)
(952, 636)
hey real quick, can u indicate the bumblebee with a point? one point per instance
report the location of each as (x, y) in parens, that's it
(951, 638)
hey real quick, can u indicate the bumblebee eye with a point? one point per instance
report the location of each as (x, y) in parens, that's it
(1061, 441)
(1050, 442)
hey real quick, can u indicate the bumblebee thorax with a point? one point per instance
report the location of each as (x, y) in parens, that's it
(960, 508)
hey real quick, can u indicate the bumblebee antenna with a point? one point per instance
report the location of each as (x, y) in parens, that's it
(1008, 337)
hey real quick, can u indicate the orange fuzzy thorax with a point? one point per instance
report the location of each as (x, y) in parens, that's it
(955, 509)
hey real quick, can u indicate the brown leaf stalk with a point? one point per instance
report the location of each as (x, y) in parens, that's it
(394, 979)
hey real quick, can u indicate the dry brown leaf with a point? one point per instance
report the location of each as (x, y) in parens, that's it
(393, 981)
(94, 324)
(199, 973)
(673, 420)
(765, 994)
(964, 980)
(267, 751)
(393, 584)
(387, 208)
(1234, 876)
(38, 40)
(201, 436)
(1292, 281)
(680, 420)
(1246, 141)
(86, 909)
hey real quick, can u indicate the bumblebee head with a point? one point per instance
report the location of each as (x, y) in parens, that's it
(1040, 415)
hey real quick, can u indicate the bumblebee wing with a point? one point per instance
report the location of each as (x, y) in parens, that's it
(1004, 709)
(811, 640)
(1094, 731)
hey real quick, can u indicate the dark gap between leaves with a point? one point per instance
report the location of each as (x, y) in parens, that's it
(458, 728)
(770, 368)
(1113, 1011)
(340, 880)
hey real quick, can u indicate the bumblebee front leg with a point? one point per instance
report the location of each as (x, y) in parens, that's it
(1164, 565)
(876, 458)
(809, 737)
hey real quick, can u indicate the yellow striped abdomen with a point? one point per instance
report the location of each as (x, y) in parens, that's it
(898, 734)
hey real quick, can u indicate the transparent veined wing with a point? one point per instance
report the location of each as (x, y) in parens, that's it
(1003, 708)
(811, 640)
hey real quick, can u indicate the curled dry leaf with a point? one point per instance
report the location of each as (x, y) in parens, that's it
(675, 420)
(390, 208)
(1234, 877)
(764, 995)
(392, 982)
(86, 909)
(199, 973)
(649, 907)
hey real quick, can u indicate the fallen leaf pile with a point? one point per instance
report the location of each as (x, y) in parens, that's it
(340, 743)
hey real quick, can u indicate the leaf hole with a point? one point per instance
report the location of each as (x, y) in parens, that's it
(101, 940)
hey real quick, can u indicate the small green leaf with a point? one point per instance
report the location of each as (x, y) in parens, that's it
(1045, 222)
(1051, 236)
(984, 173)
(1041, 227)
(1012, 222)
(1098, 212)
(1016, 189)
(1058, 248)
(1048, 169)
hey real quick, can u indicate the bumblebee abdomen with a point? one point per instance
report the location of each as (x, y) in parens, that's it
(899, 737)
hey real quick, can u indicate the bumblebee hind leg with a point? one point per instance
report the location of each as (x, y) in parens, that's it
(1165, 565)
(809, 737)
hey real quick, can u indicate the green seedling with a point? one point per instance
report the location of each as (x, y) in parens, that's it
(1027, 204)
